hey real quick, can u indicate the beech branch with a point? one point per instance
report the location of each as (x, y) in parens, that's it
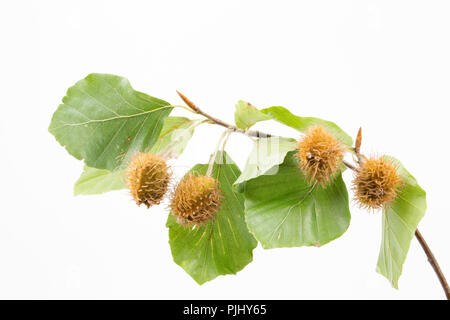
(258, 134)
(251, 133)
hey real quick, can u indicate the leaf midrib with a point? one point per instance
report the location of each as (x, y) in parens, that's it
(109, 119)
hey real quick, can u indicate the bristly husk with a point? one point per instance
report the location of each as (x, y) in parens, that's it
(196, 200)
(376, 183)
(320, 155)
(148, 178)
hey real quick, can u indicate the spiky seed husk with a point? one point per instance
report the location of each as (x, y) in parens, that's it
(148, 178)
(376, 183)
(320, 155)
(196, 200)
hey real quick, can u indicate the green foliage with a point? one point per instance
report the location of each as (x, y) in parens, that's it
(96, 181)
(223, 246)
(302, 124)
(103, 120)
(284, 210)
(400, 220)
(175, 134)
(266, 154)
(247, 115)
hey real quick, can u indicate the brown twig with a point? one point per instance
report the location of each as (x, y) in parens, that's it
(349, 165)
(431, 259)
(252, 133)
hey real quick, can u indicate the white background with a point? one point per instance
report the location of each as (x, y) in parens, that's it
(382, 65)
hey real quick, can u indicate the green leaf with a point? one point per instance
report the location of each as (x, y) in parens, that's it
(96, 181)
(220, 247)
(302, 124)
(284, 210)
(400, 220)
(246, 115)
(174, 137)
(103, 120)
(266, 154)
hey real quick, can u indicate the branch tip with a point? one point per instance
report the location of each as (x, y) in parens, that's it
(188, 102)
(358, 140)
